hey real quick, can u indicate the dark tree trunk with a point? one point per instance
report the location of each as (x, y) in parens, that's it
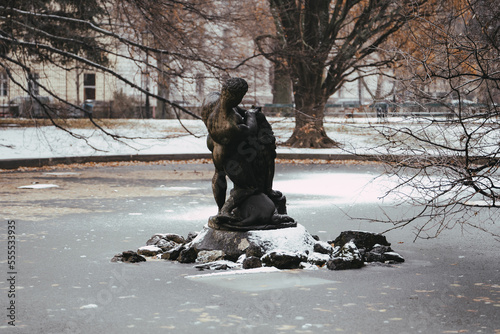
(281, 85)
(309, 130)
(310, 101)
(163, 110)
(321, 43)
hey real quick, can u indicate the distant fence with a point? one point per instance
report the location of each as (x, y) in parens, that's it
(27, 107)
(384, 109)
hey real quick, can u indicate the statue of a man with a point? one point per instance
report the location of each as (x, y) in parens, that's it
(243, 148)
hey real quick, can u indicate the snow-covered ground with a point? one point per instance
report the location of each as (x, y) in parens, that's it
(140, 137)
(360, 135)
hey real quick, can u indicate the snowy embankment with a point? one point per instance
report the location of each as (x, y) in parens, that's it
(361, 136)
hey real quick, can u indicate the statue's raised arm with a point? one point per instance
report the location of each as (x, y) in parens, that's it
(225, 121)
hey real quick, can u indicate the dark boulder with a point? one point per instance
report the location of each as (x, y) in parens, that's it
(172, 237)
(345, 257)
(393, 257)
(175, 238)
(252, 262)
(128, 257)
(284, 260)
(173, 254)
(154, 240)
(343, 264)
(149, 250)
(216, 265)
(365, 240)
(188, 255)
(254, 251)
(191, 236)
(323, 247)
(166, 245)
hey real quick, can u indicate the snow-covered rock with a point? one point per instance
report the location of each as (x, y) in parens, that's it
(362, 239)
(393, 256)
(284, 259)
(251, 262)
(210, 256)
(128, 257)
(346, 257)
(218, 265)
(188, 255)
(166, 241)
(318, 259)
(323, 247)
(149, 250)
(235, 243)
(286, 248)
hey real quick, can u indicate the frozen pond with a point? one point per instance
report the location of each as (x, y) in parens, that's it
(66, 236)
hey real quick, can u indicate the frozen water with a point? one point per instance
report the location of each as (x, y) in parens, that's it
(259, 279)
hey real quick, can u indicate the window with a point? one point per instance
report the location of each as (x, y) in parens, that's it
(33, 86)
(4, 84)
(89, 86)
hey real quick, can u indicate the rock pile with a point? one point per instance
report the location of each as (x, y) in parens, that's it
(128, 257)
(287, 248)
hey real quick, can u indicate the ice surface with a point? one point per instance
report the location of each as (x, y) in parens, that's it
(259, 279)
(237, 272)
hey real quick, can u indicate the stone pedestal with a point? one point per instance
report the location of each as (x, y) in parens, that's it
(235, 243)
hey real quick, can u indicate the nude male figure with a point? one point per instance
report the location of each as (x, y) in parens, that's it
(228, 125)
(243, 148)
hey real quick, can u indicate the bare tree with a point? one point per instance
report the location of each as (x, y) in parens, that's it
(318, 44)
(166, 39)
(448, 167)
(323, 42)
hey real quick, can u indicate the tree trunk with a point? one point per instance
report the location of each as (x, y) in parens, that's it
(163, 110)
(281, 85)
(309, 131)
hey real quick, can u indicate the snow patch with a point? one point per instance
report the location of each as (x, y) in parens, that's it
(88, 306)
(39, 186)
(318, 257)
(292, 240)
(238, 272)
(150, 248)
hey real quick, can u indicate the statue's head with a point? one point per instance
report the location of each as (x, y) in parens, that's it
(233, 90)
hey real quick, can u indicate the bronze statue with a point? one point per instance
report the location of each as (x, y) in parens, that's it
(243, 149)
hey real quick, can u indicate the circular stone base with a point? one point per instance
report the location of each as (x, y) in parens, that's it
(217, 223)
(235, 243)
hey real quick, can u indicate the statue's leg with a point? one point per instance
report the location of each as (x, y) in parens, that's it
(270, 176)
(276, 196)
(240, 172)
(236, 197)
(219, 187)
